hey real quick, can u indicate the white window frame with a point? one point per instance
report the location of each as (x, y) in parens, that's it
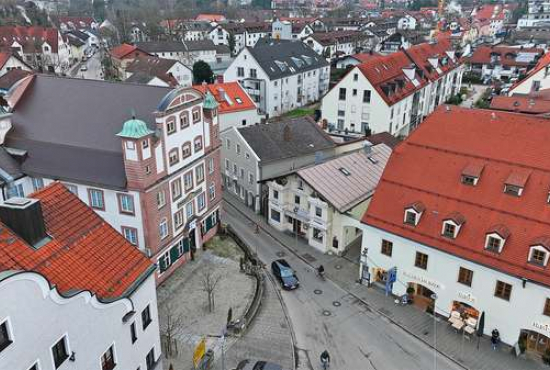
(114, 356)
(534, 248)
(495, 236)
(417, 216)
(163, 226)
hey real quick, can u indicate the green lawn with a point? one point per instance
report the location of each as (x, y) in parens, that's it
(300, 112)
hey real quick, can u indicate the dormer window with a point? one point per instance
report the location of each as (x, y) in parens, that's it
(471, 173)
(452, 224)
(515, 183)
(539, 252)
(496, 238)
(413, 212)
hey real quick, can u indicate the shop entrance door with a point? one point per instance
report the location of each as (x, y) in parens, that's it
(535, 342)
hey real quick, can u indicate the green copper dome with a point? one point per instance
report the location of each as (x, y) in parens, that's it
(209, 101)
(134, 129)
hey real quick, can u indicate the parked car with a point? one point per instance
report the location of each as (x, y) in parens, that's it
(257, 365)
(84, 68)
(285, 274)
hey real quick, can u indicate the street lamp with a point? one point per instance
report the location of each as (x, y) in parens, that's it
(434, 298)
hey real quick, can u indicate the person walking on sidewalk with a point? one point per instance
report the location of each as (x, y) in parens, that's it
(257, 229)
(495, 338)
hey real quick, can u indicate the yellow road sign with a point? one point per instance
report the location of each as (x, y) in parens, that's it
(200, 349)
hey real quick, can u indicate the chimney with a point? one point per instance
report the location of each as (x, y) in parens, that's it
(367, 147)
(221, 93)
(287, 135)
(24, 217)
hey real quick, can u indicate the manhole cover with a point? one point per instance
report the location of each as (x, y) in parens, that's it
(338, 267)
(280, 254)
(336, 304)
(308, 257)
(318, 291)
(326, 313)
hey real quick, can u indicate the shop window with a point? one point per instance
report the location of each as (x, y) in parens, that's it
(275, 215)
(317, 235)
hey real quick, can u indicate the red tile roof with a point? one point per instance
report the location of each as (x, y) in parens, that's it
(28, 37)
(507, 55)
(85, 252)
(124, 50)
(365, 57)
(445, 144)
(4, 57)
(210, 17)
(494, 12)
(233, 91)
(521, 104)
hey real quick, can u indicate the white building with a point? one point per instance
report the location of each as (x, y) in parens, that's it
(538, 15)
(288, 30)
(472, 228)
(537, 79)
(280, 75)
(406, 22)
(95, 308)
(324, 203)
(394, 92)
(9, 61)
(245, 34)
(337, 43)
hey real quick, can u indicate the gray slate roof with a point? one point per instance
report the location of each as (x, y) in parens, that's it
(286, 139)
(68, 127)
(281, 58)
(10, 169)
(161, 46)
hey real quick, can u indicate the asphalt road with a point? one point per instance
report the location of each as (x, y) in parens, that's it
(93, 71)
(324, 316)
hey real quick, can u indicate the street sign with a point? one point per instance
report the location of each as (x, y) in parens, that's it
(200, 349)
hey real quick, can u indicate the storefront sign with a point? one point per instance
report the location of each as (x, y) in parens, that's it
(541, 326)
(467, 297)
(423, 280)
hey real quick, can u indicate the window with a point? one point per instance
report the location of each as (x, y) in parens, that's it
(161, 199)
(538, 257)
(240, 72)
(513, 190)
(227, 166)
(201, 201)
(238, 148)
(5, 337)
(503, 290)
(421, 260)
(449, 230)
(212, 191)
(317, 234)
(173, 157)
(133, 332)
(170, 126)
(196, 116)
(163, 228)
(150, 359)
(130, 234)
(126, 204)
(253, 73)
(198, 143)
(186, 150)
(60, 352)
(250, 178)
(37, 183)
(247, 155)
(178, 219)
(96, 199)
(469, 180)
(387, 247)
(146, 317)
(184, 119)
(341, 113)
(108, 359)
(199, 173)
(355, 77)
(275, 194)
(410, 217)
(176, 189)
(72, 188)
(275, 215)
(354, 92)
(465, 276)
(366, 96)
(145, 144)
(297, 199)
(15, 191)
(493, 244)
(210, 165)
(34, 367)
(189, 210)
(318, 212)
(342, 94)
(188, 181)
(546, 310)
(242, 173)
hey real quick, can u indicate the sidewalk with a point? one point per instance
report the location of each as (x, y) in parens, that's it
(344, 271)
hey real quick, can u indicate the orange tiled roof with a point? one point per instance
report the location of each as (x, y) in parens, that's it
(210, 17)
(507, 54)
(122, 50)
(85, 252)
(521, 104)
(445, 144)
(233, 91)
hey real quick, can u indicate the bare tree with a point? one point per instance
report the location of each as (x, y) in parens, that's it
(209, 282)
(171, 326)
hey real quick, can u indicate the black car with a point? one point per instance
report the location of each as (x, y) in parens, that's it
(285, 274)
(257, 365)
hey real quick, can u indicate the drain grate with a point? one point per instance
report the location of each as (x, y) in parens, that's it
(308, 257)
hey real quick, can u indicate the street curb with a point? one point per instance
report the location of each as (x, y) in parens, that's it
(287, 317)
(353, 294)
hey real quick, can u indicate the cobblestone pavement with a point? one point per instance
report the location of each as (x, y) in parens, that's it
(183, 292)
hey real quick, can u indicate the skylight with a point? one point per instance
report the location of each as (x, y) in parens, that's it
(299, 62)
(238, 100)
(344, 171)
(281, 65)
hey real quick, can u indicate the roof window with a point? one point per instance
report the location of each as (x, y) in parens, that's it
(496, 237)
(452, 224)
(413, 213)
(344, 171)
(515, 183)
(471, 173)
(539, 252)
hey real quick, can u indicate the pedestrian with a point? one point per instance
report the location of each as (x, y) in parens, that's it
(257, 230)
(495, 338)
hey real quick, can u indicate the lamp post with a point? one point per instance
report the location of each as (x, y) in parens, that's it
(434, 298)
